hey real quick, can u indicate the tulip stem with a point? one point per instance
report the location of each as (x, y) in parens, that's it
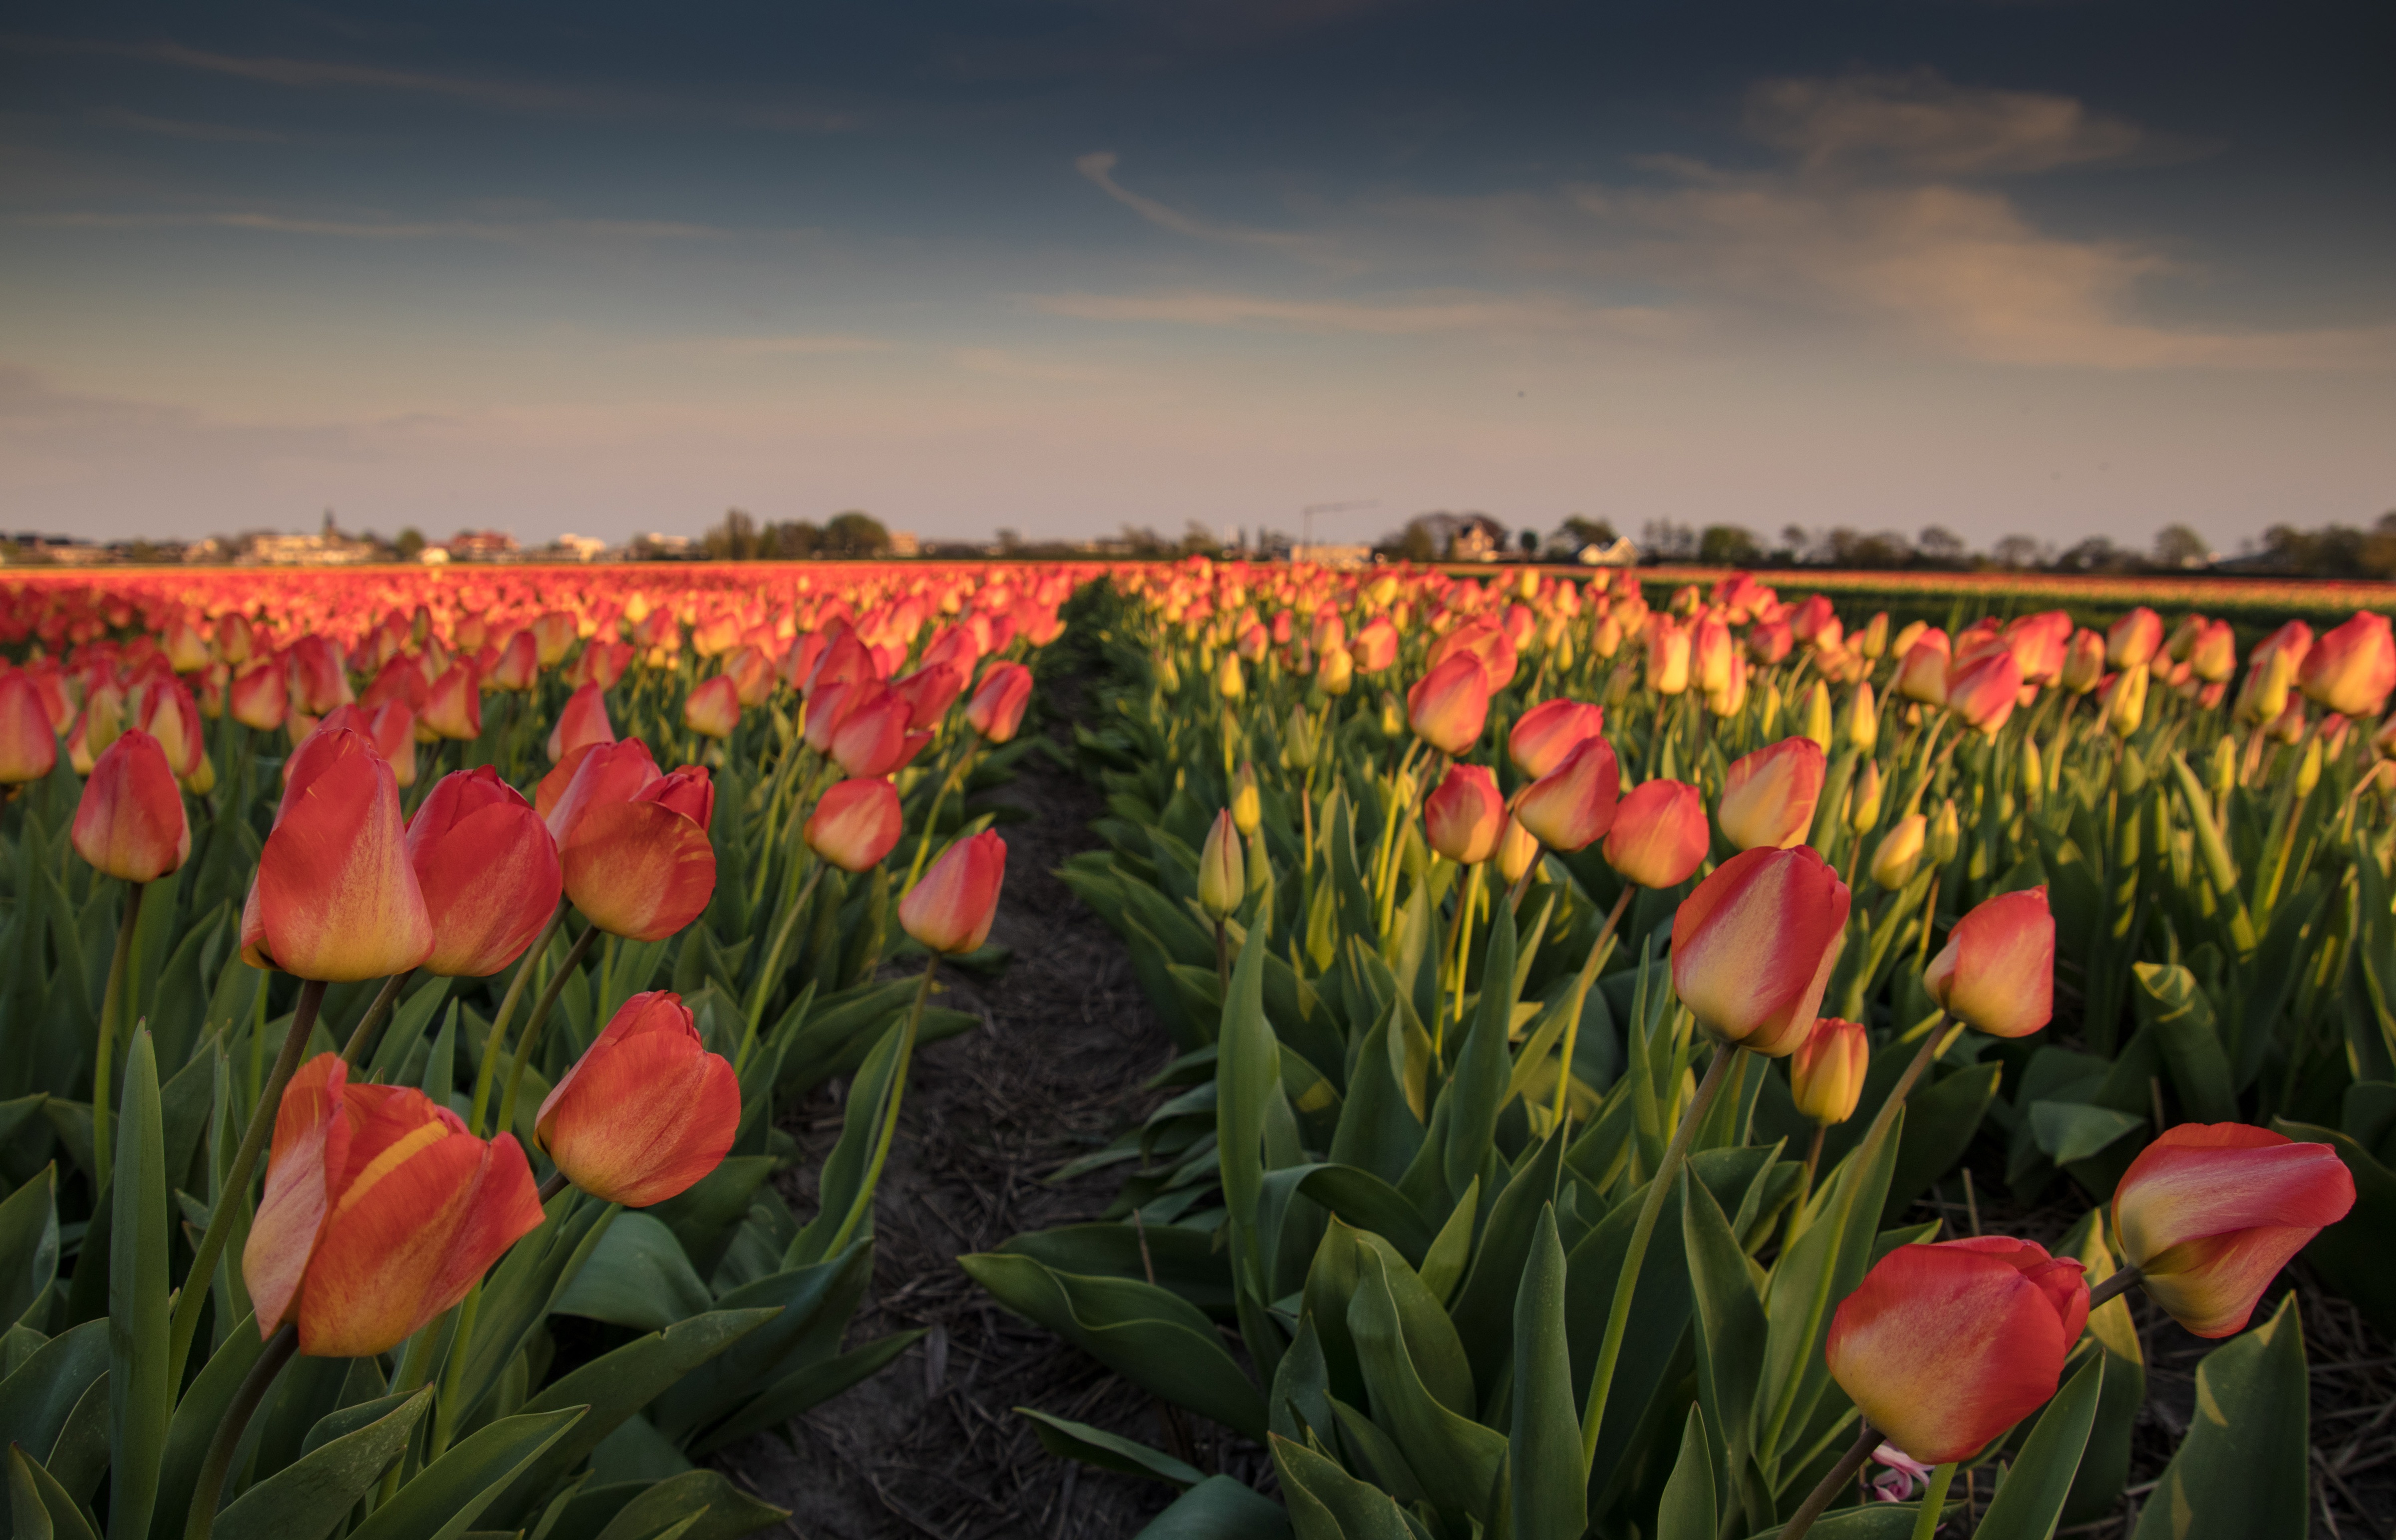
(1459, 928)
(539, 1018)
(209, 1489)
(772, 970)
(553, 1186)
(446, 1408)
(1572, 1023)
(957, 772)
(1841, 1476)
(375, 1014)
(236, 1182)
(1934, 1499)
(1618, 1316)
(491, 1044)
(112, 1004)
(2121, 1281)
(864, 1203)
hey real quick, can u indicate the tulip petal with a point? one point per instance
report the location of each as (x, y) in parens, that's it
(312, 1136)
(338, 900)
(387, 1243)
(490, 883)
(639, 869)
(648, 1115)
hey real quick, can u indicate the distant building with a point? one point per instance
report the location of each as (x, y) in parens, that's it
(480, 544)
(434, 555)
(1620, 553)
(1478, 537)
(903, 543)
(582, 547)
(326, 549)
(1333, 555)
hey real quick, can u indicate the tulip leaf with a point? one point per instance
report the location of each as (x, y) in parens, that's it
(524, 1287)
(140, 1399)
(1687, 1510)
(194, 1424)
(814, 1306)
(2074, 1131)
(1940, 1121)
(29, 1245)
(1460, 1463)
(1477, 1082)
(407, 1027)
(809, 1385)
(1220, 1508)
(2175, 1007)
(1325, 1503)
(1550, 1490)
(2351, 1254)
(844, 1188)
(1731, 1327)
(2029, 1500)
(695, 1505)
(2105, 1464)
(1484, 1307)
(2240, 1471)
(39, 1508)
(1179, 1258)
(444, 1498)
(36, 1400)
(638, 1276)
(306, 1499)
(1096, 1446)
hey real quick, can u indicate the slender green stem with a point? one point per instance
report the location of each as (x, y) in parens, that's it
(556, 1184)
(1572, 1024)
(375, 1014)
(767, 975)
(539, 1019)
(2120, 1283)
(1841, 1476)
(954, 778)
(864, 1203)
(445, 1407)
(492, 1045)
(1459, 937)
(1934, 1497)
(415, 1367)
(112, 1004)
(236, 1182)
(209, 1489)
(1617, 1318)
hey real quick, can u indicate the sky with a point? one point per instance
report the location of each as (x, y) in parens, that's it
(2043, 267)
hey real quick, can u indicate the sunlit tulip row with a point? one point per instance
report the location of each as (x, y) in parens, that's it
(1487, 903)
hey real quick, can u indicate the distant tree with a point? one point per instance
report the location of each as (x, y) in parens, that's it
(1420, 540)
(1940, 544)
(1009, 540)
(1529, 541)
(798, 540)
(855, 534)
(1576, 532)
(1666, 541)
(1728, 545)
(2095, 554)
(1795, 539)
(409, 545)
(2015, 551)
(2178, 546)
(733, 541)
(1850, 548)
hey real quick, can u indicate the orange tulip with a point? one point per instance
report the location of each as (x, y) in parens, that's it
(2210, 1212)
(1985, 691)
(487, 869)
(1826, 1073)
(453, 706)
(646, 1111)
(29, 745)
(1546, 733)
(1768, 641)
(996, 710)
(951, 909)
(2134, 639)
(642, 867)
(1660, 834)
(1922, 673)
(1944, 1346)
(259, 697)
(1752, 946)
(873, 737)
(597, 774)
(130, 822)
(1573, 805)
(1997, 970)
(1710, 655)
(2083, 662)
(518, 665)
(381, 1211)
(1465, 816)
(552, 637)
(2039, 644)
(235, 639)
(319, 679)
(168, 713)
(931, 690)
(334, 897)
(1518, 850)
(1481, 640)
(2213, 656)
(1375, 646)
(1667, 656)
(2352, 667)
(1769, 796)
(855, 823)
(712, 708)
(584, 721)
(1448, 706)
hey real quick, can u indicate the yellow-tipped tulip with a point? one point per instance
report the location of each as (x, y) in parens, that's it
(1863, 718)
(1222, 874)
(1247, 807)
(1900, 852)
(1946, 834)
(1863, 809)
(1817, 716)
(1230, 683)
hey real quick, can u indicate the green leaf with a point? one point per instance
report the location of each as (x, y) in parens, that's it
(1072, 1440)
(2029, 1501)
(697, 1505)
(39, 1508)
(2074, 1131)
(1549, 1489)
(805, 1388)
(638, 1276)
(1182, 1259)
(1220, 1508)
(1460, 1463)
(1731, 1327)
(37, 1400)
(1325, 1503)
(139, 1397)
(813, 1305)
(2241, 1470)
(1687, 1510)
(308, 1497)
(2173, 1005)
(194, 1425)
(446, 1496)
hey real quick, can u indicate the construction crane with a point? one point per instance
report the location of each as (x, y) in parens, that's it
(1306, 517)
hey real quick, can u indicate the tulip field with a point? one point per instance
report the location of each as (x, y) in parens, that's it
(1575, 987)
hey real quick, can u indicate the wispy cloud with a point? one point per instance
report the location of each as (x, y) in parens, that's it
(388, 229)
(217, 133)
(1477, 313)
(794, 347)
(1005, 364)
(1100, 166)
(1922, 124)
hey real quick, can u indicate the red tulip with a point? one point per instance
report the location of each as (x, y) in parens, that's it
(334, 897)
(1826, 1073)
(168, 713)
(931, 690)
(844, 661)
(646, 1111)
(1481, 641)
(1997, 970)
(712, 708)
(1668, 655)
(2352, 668)
(1573, 805)
(1944, 1346)
(951, 909)
(1375, 646)
(319, 679)
(1985, 691)
(1464, 817)
(1660, 834)
(996, 710)
(855, 823)
(1546, 733)
(381, 1211)
(584, 721)
(2038, 643)
(1448, 706)
(1769, 796)
(2210, 1212)
(872, 737)
(598, 775)
(1752, 946)
(235, 640)
(29, 745)
(453, 706)
(487, 869)
(643, 867)
(1768, 641)
(130, 822)
(259, 697)
(2134, 639)
(1922, 674)
(2213, 656)
(518, 665)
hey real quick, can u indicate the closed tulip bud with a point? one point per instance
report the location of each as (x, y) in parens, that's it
(2308, 769)
(235, 639)
(712, 708)
(1464, 816)
(1222, 872)
(518, 665)
(2083, 662)
(2133, 641)
(1768, 641)
(996, 710)
(1863, 808)
(1922, 674)
(380, 1211)
(1605, 639)
(1375, 648)
(1300, 743)
(2210, 1212)
(1668, 655)
(2352, 668)
(1997, 970)
(2214, 656)
(1518, 848)
(1660, 834)
(1574, 805)
(29, 745)
(1247, 805)
(1393, 716)
(1229, 681)
(1875, 640)
(1900, 853)
(2123, 703)
(1826, 1073)
(584, 721)
(1985, 691)
(646, 1111)
(1863, 718)
(928, 692)
(1448, 706)
(873, 737)
(1907, 635)
(130, 823)
(1168, 675)
(1943, 1347)
(1334, 674)
(488, 872)
(1769, 796)
(855, 824)
(950, 910)
(1545, 734)
(638, 864)
(259, 697)
(1817, 716)
(335, 895)
(1946, 834)
(453, 705)
(2271, 680)
(319, 676)
(1709, 655)
(1753, 945)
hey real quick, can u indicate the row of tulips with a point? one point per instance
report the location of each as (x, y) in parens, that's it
(1577, 994)
(390, 1075)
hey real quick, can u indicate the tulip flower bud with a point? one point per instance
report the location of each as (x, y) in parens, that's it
(1336, 672)
(1667, 656)
(488, 872)
(1875, 640)
(1900, 853)
(2083, 662)
(646, 1111)
(1168, 674)
(334, 897)
(855, 823)
(2222, 772)
(1230, 683)
(1660, 834)
(1910, 632)
(636, 856)
(360, 1252)
(712, 708)
(1546, 733)
(951, 909)
(1247, 805)
(1574, 804)
(1817, 716)
(873, 736)
(2133, 641)
(1301, 744)
(1985, 691)
(1826, 1073)
(130, 822)
(1997, 970)
(2350, 669)
(1753, 945)
(1518, 848)
(1393, 717)
(1944, 1346)
(1768, 797)
(1946, 834)
(1375, 648)
(2210, 1212)
(1222, 872)
(2308, 769)
(1863, 807)
(1709, 655)
(2214, 656)
(2123, 703)
(1922, 670)
(453, 707)
(1863, 718)
(1448, 706)
(1464, 816)
(997, 707)
(29, 745)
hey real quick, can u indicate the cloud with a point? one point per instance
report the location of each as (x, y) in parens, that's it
(1472, 313)
(219, 133)
(1920, 123)
(1098, 166)
(1008, 366)
(794, 347)
(390, 229)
